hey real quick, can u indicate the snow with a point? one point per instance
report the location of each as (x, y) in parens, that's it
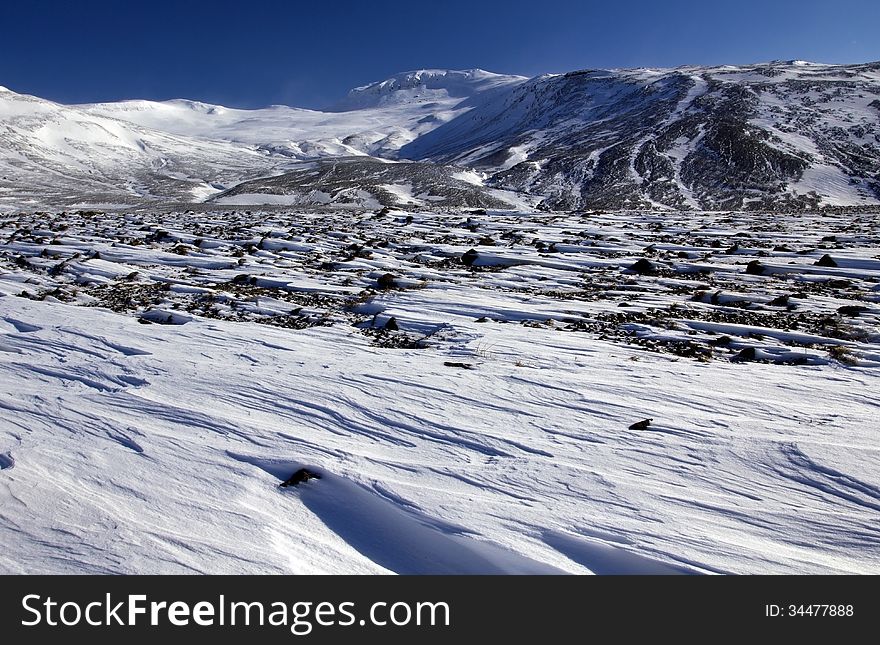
(181, 150)
(152, 439)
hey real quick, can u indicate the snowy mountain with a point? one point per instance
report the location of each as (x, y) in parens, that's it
(782, 135)
(53, 154)
(428, 86)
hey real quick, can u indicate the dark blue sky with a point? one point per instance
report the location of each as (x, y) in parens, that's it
(309, 53)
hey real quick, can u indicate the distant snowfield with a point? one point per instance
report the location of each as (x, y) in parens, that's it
(158, 448)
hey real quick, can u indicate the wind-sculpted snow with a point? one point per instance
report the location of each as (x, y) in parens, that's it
(463, 382)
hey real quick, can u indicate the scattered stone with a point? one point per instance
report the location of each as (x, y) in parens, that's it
(755, 268)
(391, 325)
(826, 261)
(300, 476)
(747, 354)
(641, 425)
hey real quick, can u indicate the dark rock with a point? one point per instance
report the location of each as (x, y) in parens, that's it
(486, 241)
(300, 476)
(747, 354)
(465, 366)
(391, 325)
(826, 261)
(643, 266)
(386, 281)
(641, 425)
(470, 257)
(721, 341)
(779, 301)
(755, 268)
(852, 310)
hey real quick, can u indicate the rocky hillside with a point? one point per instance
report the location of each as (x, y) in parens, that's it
(776, 136)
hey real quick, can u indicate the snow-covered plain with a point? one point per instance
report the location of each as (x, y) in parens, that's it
(464, 383)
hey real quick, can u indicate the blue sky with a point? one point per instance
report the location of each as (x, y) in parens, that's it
(309, 53)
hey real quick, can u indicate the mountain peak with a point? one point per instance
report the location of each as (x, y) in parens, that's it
(425, 85)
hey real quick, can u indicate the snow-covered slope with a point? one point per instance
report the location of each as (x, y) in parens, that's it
(376, 119)
(468, 411)
(58, 154)
(780, 135)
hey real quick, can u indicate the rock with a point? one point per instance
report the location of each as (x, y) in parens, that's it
(470, 257)
(391, 325)
(779, 301)
(300, 476)
(755, 268)
(852, 310)
(721, 341)
(486, 241)
(747, 354)
(386, 281)
(465, 366)
(643, 266)
(641, 425)
(826, 261)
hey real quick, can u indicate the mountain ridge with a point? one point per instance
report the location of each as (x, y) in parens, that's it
(783, 135)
